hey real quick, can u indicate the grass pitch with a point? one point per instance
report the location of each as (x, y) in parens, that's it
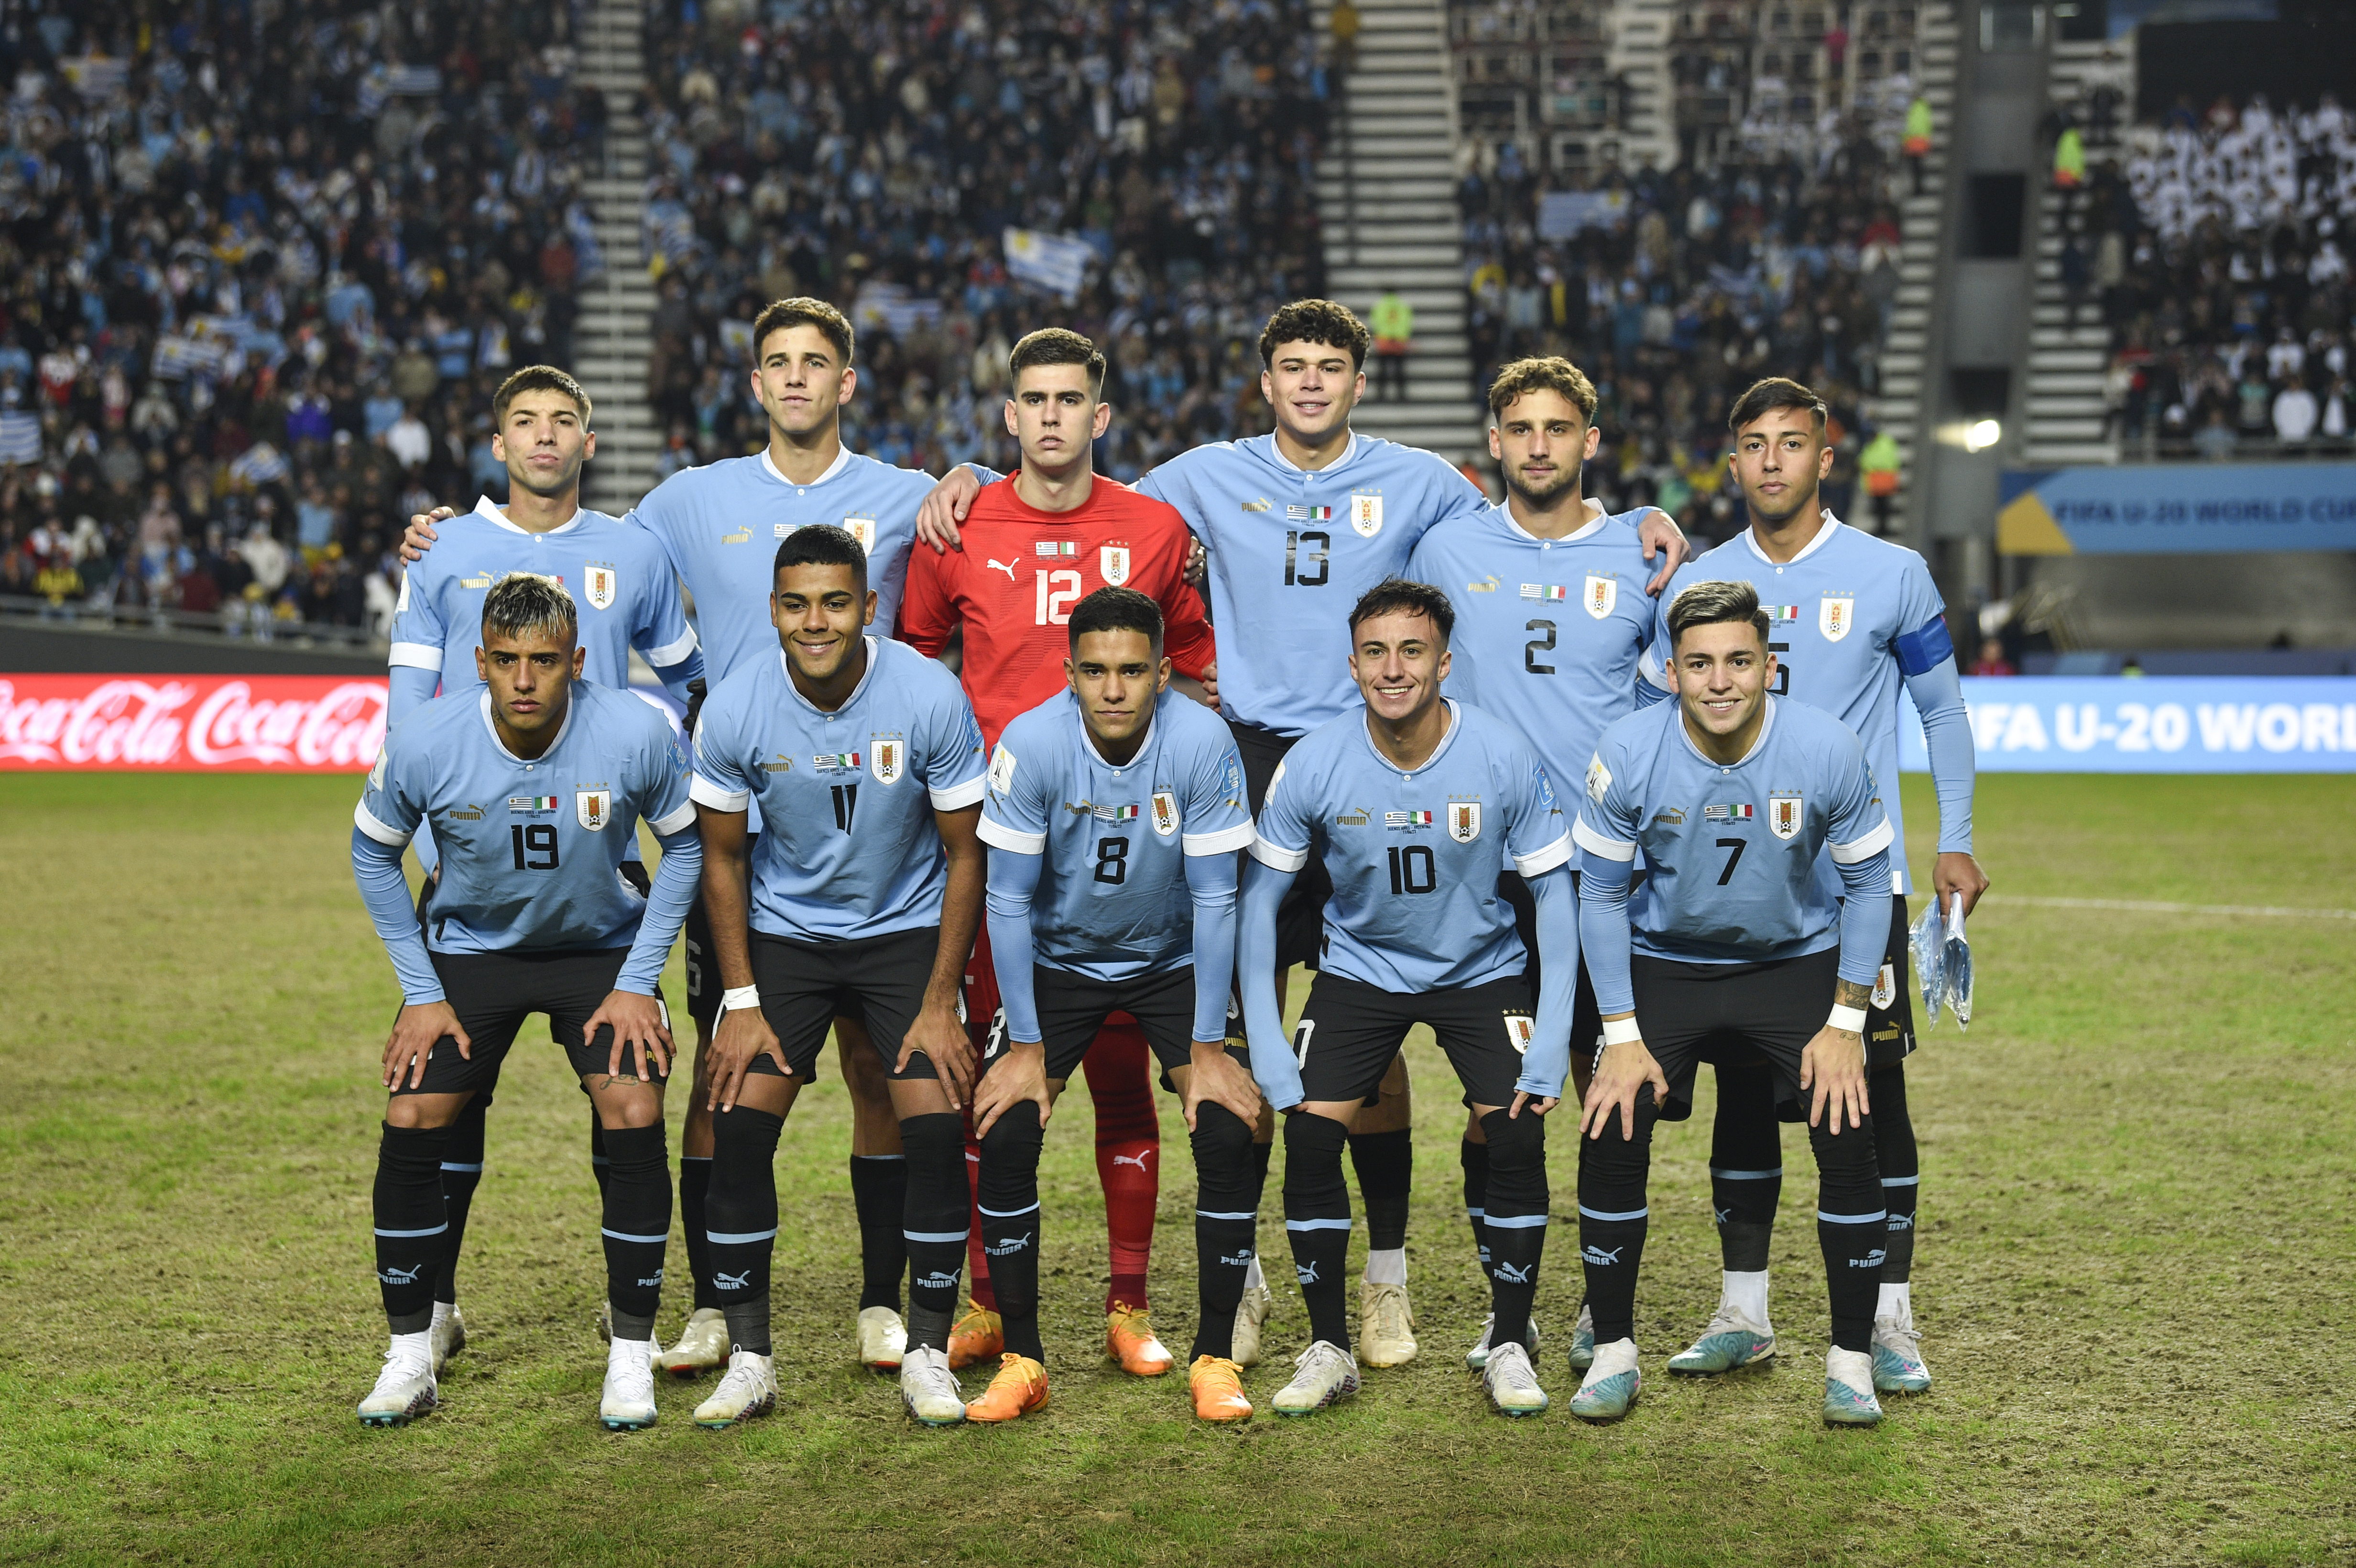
(2134, 1271)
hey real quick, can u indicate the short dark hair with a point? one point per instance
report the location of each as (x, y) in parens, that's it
(1117, 609)
(1315, 321)
(1542, 373)
(537, 378)
(1401, 596)
(802, 311)
(822, 544)
(526, 605)
(1764, 398)
(1717, 602)
(1057, 346)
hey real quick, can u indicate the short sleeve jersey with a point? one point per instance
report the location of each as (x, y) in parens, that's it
(848, 848)
(1013, 585)
(1413, 855)
(1289, 552)
(530, 850)
(1850, 618)
(1732, 852)
(1112, 902)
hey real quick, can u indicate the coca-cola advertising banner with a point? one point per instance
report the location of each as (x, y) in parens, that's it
(191, 723)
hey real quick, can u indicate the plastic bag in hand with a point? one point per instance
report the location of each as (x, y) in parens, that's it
(1958, 961)
(1928, 940)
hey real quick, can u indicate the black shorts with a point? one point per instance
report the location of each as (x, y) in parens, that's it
(493, 993)
(703, 987)
(1726, 1012)
(1586, 1018)
(1350, 1031)
(804, 985)
(1073, 1007)
(1300, 917)
(1889, 1017)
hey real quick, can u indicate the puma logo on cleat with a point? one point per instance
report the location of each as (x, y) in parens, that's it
(1136, 1159)
(400, 1275)
(731, 1281)
(1002, 566)
(1871, 1260)
(1512, 1276)
(1305, 1273)
(1012, 1244)
(1601, 1258)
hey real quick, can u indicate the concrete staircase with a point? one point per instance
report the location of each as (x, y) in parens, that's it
(1385, 195)
(2066, 414)
(1897, 408)
(1639, 54)
(610, 338)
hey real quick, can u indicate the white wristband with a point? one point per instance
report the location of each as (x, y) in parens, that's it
(1621, 1031)
(740, 997)
(1849, 1019)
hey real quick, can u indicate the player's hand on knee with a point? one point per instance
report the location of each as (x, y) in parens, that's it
(744, 1034)
(1832, 1073)
(415, 1033)
(1213, 1075)
(942, 510)
(1956, 873)
(1621, 1074)
(940, 1037)
(1539, 1104)
(1021, 1075)
(420, 536)
(1659, 533)
(639, 1028)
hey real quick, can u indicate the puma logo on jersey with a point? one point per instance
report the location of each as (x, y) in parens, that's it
(1004, 567)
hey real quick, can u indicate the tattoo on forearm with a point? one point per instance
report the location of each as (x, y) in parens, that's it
(1849, 994)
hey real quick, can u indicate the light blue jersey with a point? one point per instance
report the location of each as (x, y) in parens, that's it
(1111, 901)
(1548, 632)
(1291, 552)
(1731, 851)
(1851, 618)
(1414, 856)
(531, 850)
(850, 850)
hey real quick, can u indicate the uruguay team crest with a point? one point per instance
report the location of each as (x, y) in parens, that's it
(593, 808)
(863, 530)
(598, 585)
(1165, 812)
(1112, 564)
(1836, 615)
(1786, 814)
(887, 759)
(1366, 515)
(1885, 985)
(1521, 1029)
(1464, 820)
(1602, 592)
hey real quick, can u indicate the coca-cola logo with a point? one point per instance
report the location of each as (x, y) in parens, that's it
(307, 724)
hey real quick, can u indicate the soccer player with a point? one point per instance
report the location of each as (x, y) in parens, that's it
(1736, 796)
(1409, 800)
(1038, 543)
(1114, 815)
(624, 596)
(534, 788)
(1852, 618)
(863, 892)
(1296, 525)
(1554, 623)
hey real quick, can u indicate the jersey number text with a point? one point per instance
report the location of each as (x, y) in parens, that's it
(533, 840)
(1413, 871)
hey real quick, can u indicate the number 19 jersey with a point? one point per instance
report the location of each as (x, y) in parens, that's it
(1413, 854)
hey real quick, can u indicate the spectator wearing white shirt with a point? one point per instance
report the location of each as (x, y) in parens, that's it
(2295, 414)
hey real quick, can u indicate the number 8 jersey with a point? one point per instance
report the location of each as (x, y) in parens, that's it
(1413, 855)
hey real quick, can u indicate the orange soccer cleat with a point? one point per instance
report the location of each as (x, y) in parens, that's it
(977, 1336)
(1218, 1388)
(1020, 1388)
(1130, 1340)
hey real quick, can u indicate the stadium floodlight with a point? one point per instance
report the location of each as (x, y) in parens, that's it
(1983, 434)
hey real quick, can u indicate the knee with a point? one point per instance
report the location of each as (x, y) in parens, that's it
(1516, 1144)
(422, 1113)
(1312, 1149)
(934, 1136)
(1849, 1152)
(1219, 1134)
(1014, 1139)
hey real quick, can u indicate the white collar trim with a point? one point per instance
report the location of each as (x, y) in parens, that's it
(786, 665)
(1596, 517)
(1275, 448)
(1831, 526)
(491, 728)
(1455, 723)
(1766, 727)
(841, 461)
(489, 509)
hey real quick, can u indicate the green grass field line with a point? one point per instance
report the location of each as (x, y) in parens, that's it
(2135, 1269)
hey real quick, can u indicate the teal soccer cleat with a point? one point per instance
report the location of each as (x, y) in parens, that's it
(1731, 1341)
(1611, 1383)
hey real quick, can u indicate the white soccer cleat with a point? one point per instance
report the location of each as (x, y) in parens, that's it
(1583, 1338)
(1478, 1356)
(701, 1345)
(1848, 1389)
(929, 1389)
(749, 1389)
(1386, 1324)
(1731, 1341)
(1513, 1386)
(406, 1387)
(606, 1332)
(882, 1339)
(1251, 1314)
(1611, 1383)
(1898, 1357)
(628, 1403)
(448, 1334)
(1325, 1373)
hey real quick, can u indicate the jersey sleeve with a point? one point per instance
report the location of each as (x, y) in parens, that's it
(1608, 812)
(662, 634)
(1923, 642)
(391, 804)
(928, 610)
(1281, 838)
(1014, 804)
(951, 766)
(1856, 827)
(719, 780)
(1186, 633)
(418, 633)
(663, 803)
(1213, 819)
(1537, 836)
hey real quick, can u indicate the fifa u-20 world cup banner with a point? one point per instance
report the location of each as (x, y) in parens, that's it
(183, 723)
(2153, 724)
(2166, 507)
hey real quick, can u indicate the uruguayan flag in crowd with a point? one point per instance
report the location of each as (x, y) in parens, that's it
(20, 437)
(260, 464)
(1056, 262)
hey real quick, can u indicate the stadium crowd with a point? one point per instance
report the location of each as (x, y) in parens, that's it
(876, 157)
(261, 281)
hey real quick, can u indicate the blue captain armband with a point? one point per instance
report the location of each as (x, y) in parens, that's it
(1925, 647)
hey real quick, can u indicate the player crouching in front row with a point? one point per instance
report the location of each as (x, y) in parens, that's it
(1737, 797)
(534, 789)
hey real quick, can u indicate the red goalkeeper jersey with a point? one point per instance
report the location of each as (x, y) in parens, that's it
(1015, 584)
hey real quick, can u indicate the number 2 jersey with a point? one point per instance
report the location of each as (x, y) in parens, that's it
(1414, 854)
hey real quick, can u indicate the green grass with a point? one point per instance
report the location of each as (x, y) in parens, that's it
(2134, 1273)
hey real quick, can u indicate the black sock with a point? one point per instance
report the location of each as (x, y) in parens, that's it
(601, 1164)
(742, 1212)
(1009, 1205)
(694, 1185)
(879, 1192)
(1261, 1154)
(1746, 1165)
(1612, 1172)
(1852, 1228)
(462, 1171)
(412, 1223)
(1474, 1159)
(637, 1227)
(1226, 1225)
(1317, 1220)
(1515, 1208)
(1901, 1178)
(1385, 1165)
(934, 1223)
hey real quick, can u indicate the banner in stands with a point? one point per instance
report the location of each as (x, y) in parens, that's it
(182, 723)
(2154, 724)
(2163, 508)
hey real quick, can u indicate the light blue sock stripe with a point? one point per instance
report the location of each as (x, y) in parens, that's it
(739, 1238)
(651, 1241)
(405, 1235)
(879, 1157)
(957, 1236)
(697, 1158)
(1007, 1213)
(1879, 1217)
(594, 1160)
(474, 1170)
(1586, 1213)
(1208, 1214)
(1317, 1224)
(1886, 1181)
(1745, 1175)
(1476, 1213)
(1516, 1222)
